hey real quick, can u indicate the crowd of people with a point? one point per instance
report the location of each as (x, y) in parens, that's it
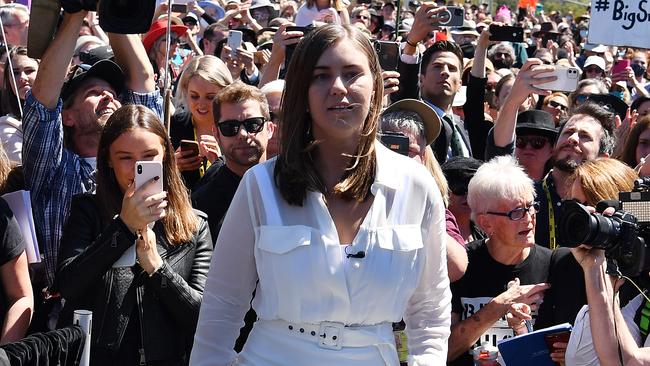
(324, 200)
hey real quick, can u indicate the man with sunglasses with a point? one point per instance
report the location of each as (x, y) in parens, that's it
(63, 120)
(244, 127)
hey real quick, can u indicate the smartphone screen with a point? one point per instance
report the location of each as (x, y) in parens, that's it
(179, 8)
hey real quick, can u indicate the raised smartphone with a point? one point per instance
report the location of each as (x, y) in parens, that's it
(179, 8)
(453, 17)
(235, 38)
(620, 66)
(567, 79)
(388, 53)
(506, 33)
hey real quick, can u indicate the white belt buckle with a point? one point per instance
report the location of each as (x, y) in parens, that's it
(329, 335)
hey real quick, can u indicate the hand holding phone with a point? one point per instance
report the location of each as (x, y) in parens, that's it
(567, 79)
(190, 145)
(388, 53)
(179, 8)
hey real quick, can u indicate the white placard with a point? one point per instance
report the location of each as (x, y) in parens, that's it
(20, 203)
(620, 23)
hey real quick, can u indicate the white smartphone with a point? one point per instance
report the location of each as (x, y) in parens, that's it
(235, 38)
(567, 79)
(144, 172)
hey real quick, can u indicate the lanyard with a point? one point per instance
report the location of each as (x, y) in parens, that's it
(551, 214)
(205, 164)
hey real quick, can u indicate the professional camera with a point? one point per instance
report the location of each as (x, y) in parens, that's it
(623, 235)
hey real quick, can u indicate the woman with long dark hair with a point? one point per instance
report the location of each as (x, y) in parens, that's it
(339, 236)
(146, 312)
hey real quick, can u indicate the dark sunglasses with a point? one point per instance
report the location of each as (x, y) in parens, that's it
(555, 104)
(362, 17)
(536, 142)
(231, 127)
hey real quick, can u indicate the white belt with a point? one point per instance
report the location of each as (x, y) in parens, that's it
(335, 336)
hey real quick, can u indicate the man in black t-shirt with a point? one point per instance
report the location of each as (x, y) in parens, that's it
(506, 269)
(242, 117)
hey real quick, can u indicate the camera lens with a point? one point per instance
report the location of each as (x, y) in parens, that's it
(444, 17)
(139, 169)
(581, 227)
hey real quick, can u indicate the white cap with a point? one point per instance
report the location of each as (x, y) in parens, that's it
(595, 60)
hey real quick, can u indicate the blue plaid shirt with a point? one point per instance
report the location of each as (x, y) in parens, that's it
(54, 174)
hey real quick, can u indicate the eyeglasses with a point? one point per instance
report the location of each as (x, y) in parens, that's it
(536, 142)
(518, 213)
(555, 104)
(362, 17)
(581, 98)
(231, 127)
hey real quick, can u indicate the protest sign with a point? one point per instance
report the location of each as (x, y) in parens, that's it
(620, 23)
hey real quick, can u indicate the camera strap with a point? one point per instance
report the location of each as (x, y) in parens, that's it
(551, 214)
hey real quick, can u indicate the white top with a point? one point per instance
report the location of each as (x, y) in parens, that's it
(295, 254)
(306, 15)
(11, 135)
(580, 350)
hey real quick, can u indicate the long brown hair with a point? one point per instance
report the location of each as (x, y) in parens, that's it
(628, 153)
(180, 223)
(295, 172)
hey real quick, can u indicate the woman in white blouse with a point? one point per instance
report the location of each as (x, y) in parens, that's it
(339, 236)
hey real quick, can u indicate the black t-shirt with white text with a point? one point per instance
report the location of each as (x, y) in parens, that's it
(485, 279)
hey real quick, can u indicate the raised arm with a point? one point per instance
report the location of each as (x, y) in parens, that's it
(132, 58)
(504, 126)
(54, 65)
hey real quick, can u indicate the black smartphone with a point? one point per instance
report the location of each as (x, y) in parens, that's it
(388, 53)
(506, 33)
(179, 8)
(190, 145)
(395, 141)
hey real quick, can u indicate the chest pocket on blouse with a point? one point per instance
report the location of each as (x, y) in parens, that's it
(400, 238)
(400, 249)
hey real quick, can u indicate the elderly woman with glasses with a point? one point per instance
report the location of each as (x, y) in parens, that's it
(502, 199)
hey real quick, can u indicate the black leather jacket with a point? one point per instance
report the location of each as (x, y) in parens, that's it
(170, 299)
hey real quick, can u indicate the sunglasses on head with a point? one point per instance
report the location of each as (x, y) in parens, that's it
(555, 104)
(231, 127)
(536, 142)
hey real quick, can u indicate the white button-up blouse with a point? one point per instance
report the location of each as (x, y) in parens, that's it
(294, 253)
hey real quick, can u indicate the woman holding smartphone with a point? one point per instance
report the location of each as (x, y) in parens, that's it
(339, 236)
(147, 310)
(193, 122)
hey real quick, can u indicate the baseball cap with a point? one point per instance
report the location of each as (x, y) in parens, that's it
(595, 60)
(94, 55)
(106, 70)
(459, 170)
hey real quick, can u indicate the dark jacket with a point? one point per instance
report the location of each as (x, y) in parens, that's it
(170, 299)
(409, 88)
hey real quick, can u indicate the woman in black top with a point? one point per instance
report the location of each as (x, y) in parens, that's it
(146, 312)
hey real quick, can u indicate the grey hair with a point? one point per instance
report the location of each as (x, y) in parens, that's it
(402, 121)
(501, 178)
(7, 11)
(503, 45)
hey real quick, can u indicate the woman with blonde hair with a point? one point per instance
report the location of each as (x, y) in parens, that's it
(601, 179)
(202, 79)
(338, 236)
